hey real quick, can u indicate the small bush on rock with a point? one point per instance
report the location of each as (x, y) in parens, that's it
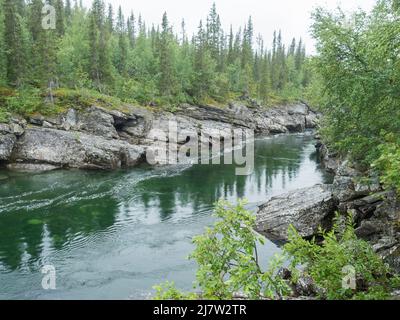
(341, 257)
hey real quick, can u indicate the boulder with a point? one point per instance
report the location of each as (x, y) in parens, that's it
(75, 150)
(94, 121)
(291, 117)
(5, 128)
(17, 129)
(312, 120)
(306, 209)
(36, 119)
(7, 142)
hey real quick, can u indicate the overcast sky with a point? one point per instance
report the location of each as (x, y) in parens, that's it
(291, 16)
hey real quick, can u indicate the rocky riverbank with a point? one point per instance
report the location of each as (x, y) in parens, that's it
(99, 138)
(376, 211)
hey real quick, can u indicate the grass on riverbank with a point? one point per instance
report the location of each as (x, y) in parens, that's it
(29, 101)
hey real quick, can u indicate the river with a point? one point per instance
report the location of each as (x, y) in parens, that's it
(113, 235)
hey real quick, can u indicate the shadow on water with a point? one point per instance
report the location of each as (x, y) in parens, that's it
(52, 216)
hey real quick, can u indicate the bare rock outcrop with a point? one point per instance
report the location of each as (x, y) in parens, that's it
(305, 209)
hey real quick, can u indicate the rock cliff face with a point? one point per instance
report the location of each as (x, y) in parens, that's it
(375, 211)
(98, 138)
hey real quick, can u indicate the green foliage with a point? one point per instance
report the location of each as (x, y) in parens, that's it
(3, 115)
(327, 263)
(3, 60)
(226, 255)
(168, 291)
(94, 49)
(359, 72)
(228, 263)
(389, 162)
(25, 102)
(84, 98)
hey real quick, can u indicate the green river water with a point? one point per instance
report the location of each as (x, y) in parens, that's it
(113, 235)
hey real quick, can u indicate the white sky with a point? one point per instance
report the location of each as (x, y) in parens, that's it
(291, 16)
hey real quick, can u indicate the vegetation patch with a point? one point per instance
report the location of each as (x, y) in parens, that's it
(229, 265)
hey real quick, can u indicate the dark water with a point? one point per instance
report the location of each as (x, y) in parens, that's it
(113, 235)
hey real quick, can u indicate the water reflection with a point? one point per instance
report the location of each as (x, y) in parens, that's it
(42, 215)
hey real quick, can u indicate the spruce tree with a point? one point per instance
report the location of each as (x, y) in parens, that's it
(100, 60)
(300, 52)
(122, 43)
(60, 16)
(167, 78)
(131, 26)
(110, 19)
(3, 60)
(15, 43)
(264, 84)
(292, 49)
(213, 31)
(68, 11)
(43, 45)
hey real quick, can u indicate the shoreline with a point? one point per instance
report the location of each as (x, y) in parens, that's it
(101, 139)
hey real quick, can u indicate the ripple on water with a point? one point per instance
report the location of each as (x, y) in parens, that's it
(115, 234)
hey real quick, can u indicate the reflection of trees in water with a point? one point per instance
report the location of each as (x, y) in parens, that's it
(25, 232)
(203, 185)
(25, 235)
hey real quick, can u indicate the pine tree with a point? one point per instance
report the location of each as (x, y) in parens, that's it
(299, 56)
(167, 77)
(204, 66)
(110, 18)
(122, 44)
(131, 26)
(264, 84)
(3, 60)
(183, 32)
(16, 55)
(60, 18)
(292, 49)
(230, 58)
(43, 46)
(68, 11)
(213, 31)
(247, 45)
(93, 49)
(100, 60)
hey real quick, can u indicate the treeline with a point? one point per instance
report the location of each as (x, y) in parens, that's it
(104, 50)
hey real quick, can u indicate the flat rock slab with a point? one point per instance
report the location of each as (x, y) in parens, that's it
(75, 150)
(306, 209)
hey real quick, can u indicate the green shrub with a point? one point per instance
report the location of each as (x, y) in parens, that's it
(389, 162)
(228, 263)
(25, 101)
(168, 291)
(84, 98)
(227, 255)
(326, 263)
